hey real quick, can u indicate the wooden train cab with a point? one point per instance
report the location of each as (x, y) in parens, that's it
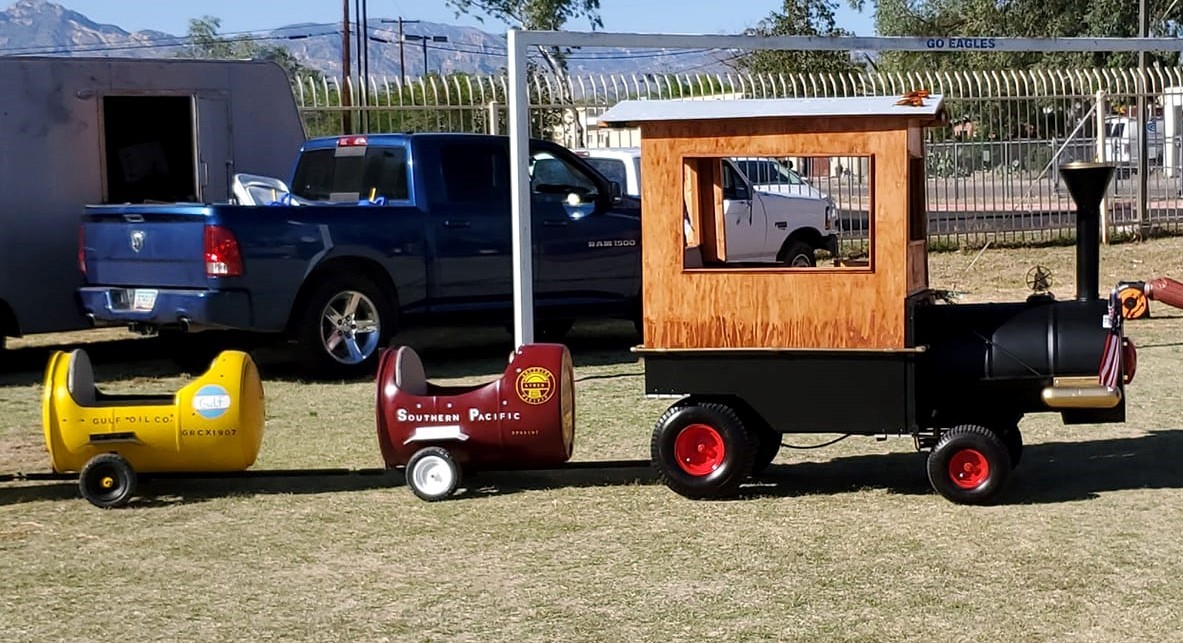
(806, 349)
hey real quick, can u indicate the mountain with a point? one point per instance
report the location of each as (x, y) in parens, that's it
(41, 27)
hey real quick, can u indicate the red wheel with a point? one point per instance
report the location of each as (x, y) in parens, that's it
(969, 465)
(968, 468)
(702, 450)
(699, 449)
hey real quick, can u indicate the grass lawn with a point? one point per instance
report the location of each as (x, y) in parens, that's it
(848, 542)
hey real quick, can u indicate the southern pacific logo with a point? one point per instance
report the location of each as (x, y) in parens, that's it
(612, 243)
(535, 385)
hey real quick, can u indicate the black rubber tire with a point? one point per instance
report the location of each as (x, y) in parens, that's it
(793, 250)
(436, 455)
(1012, 438)
(739, 446)
(985, 443)
(315, 359)
(107, 481)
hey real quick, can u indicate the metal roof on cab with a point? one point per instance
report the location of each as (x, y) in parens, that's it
(631, 112)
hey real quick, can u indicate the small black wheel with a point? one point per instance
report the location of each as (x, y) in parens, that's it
(970, 465)
(345, 322)
(107, 481)
(1012, 438)
(797, 254)
(432, 473)
(702, 450)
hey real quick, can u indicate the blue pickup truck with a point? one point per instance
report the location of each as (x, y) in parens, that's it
(376, 233)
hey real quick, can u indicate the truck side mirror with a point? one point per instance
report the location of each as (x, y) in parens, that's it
(617, 193)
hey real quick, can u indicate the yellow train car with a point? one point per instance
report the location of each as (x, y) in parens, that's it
(213, 424)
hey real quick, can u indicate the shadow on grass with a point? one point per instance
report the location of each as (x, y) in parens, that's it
(575, 475)
(167, 490)
(1049, 472)
(446, 352)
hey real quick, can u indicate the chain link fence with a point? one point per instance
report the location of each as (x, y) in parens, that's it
(991, 170)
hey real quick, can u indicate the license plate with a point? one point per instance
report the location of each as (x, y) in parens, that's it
(143, 299)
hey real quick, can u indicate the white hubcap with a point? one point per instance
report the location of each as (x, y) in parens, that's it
(433, 475)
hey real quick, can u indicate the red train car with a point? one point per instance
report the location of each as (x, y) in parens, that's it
(524, 419)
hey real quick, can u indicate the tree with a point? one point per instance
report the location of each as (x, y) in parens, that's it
(204, 42)
(1020, 18)
(548, 15)
(798, 18)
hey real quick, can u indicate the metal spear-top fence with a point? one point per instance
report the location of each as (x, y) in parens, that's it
(991, 170)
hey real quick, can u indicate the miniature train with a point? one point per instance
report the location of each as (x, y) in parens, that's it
(742, 348)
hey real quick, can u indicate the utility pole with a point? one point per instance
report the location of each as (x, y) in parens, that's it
(424, 38)
(402, 58)
(346, 74)
(361, 36)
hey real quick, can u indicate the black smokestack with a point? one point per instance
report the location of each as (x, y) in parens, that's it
(1087, 183)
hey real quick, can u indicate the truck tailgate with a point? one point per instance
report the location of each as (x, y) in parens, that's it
(129, 246)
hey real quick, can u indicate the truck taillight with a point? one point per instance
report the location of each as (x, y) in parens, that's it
(222, 258)
(82, 249)
(351, 141)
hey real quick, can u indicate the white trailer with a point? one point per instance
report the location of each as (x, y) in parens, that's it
(77, 131)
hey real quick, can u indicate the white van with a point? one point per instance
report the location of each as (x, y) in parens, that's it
(1121, 140)
(782, 220)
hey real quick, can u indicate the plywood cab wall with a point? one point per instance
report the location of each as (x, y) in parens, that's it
(773, 307)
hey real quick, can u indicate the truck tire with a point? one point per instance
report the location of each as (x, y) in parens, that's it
(969, 465)
(797, 254)
(702, 450)
(345, 322)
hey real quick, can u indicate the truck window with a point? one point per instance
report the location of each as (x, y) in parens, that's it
(553, 179)
(612, 169)
(734, 186)
(323, 175)
(475, 173)
(768, 172)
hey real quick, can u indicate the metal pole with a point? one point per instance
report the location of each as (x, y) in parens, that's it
(346, 73)
(519, 187)
(1143, 126)
(424, 41)
(365, 54)
(402, 60)
(1099, 117)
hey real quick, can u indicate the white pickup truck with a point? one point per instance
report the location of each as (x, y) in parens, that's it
(782, 219)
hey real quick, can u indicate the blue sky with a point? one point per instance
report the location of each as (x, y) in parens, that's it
(678, 16)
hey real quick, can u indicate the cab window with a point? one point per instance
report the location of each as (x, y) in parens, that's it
(554, 179)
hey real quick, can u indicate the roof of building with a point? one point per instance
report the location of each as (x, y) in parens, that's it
(631, 112)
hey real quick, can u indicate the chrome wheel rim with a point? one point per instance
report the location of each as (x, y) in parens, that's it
(433, 476)
(350, 327)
